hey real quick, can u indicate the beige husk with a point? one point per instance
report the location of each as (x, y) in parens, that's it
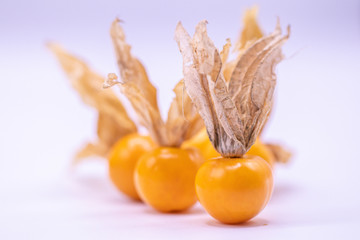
(251, 31)
(183, 121)
(249, 34)
(234, 112)
(113, 121)
(281, 155)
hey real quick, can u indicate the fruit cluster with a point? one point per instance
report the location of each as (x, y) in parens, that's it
(209, 148)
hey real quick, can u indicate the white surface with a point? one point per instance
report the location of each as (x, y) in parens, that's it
(88, 207)
(43, 121)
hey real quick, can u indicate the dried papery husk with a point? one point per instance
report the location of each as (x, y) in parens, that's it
(251, 30)
(183, 121)
(281, 154)
(131, 69)
(249, 34)
(254, 79)
(207, 113)
(108, 131)
(207, 88)
(113, 121)
(148, 115)
(233, 119)
(135, 85)
(224, 54)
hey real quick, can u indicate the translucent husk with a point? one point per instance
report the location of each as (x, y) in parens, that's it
(113, 121)
(182, 123)
(233, 111)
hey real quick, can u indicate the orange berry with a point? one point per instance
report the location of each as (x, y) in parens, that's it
(234, 190)
(122, 161)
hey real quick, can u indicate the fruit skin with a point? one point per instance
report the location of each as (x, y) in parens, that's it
(122, 161)
(234, 190)
(195, 155)
(202, 142)
(164, 178)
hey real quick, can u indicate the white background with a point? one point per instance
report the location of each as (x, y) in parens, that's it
(43, 122)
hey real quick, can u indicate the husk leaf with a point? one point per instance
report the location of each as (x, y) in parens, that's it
(113, 121)
(131, 69)
(249, 34)
(233, 117)
(183, 121)
(281, 154)
(251, 30)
